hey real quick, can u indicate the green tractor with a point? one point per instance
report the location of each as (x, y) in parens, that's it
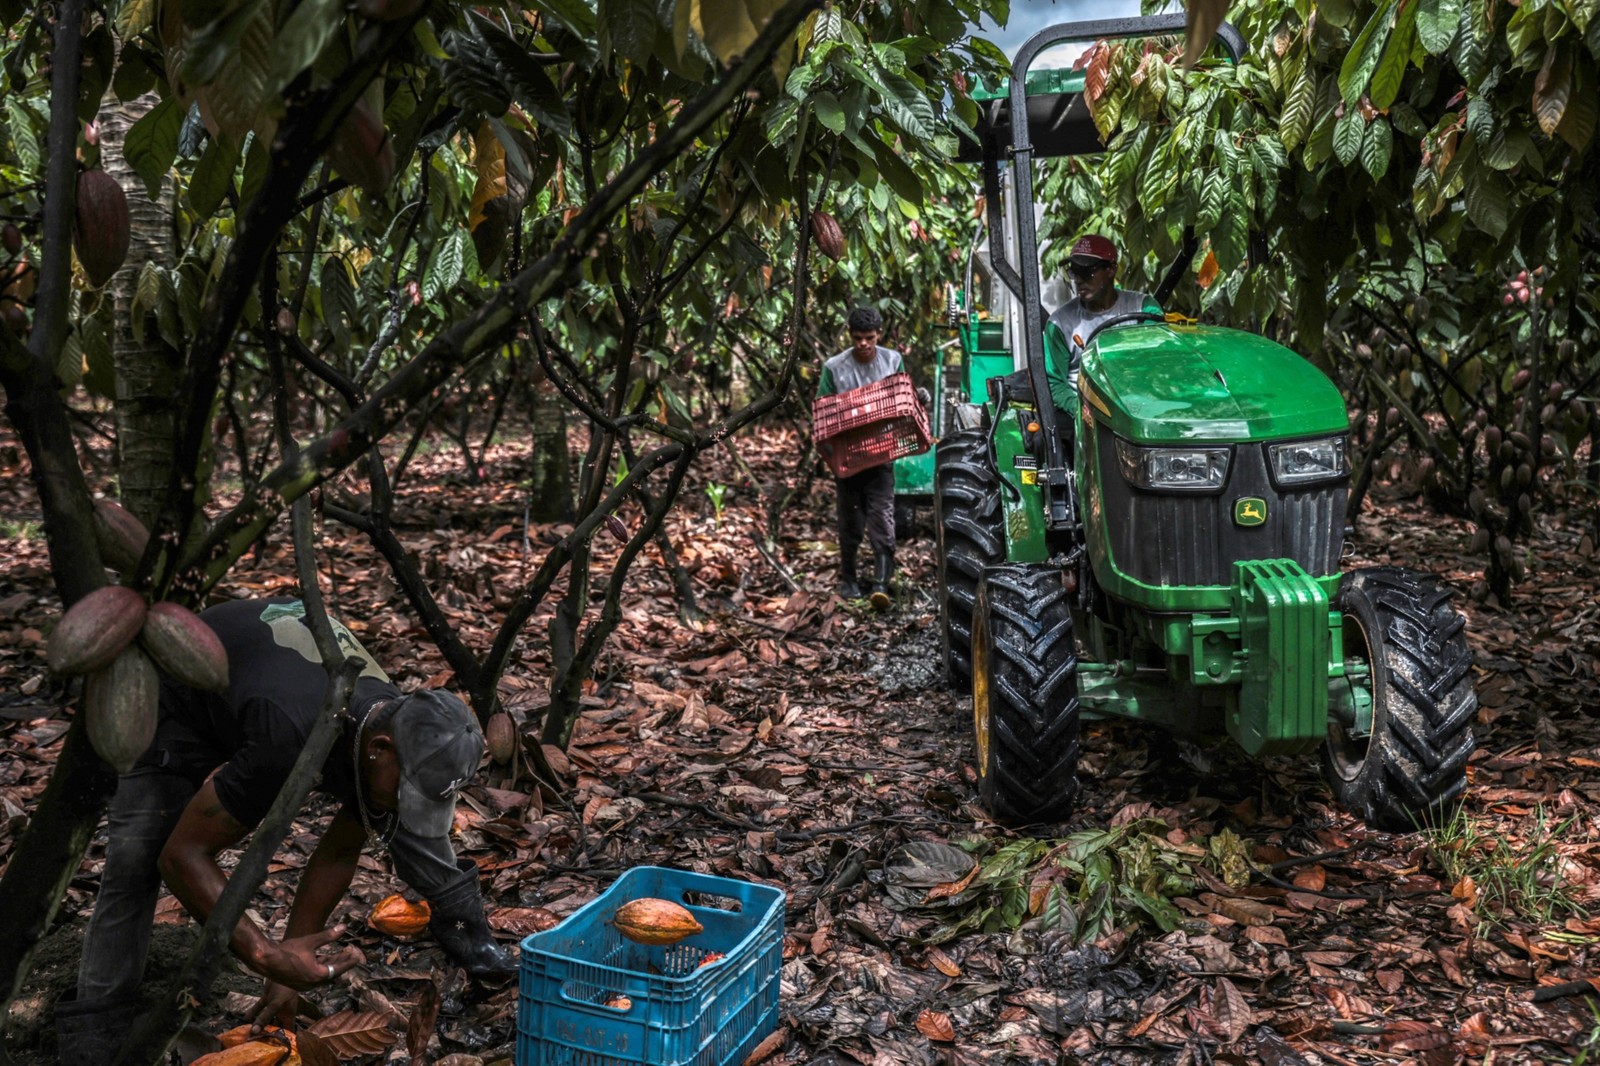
(1169, 550)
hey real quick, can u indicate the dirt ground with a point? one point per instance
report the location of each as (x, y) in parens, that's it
(796, 740)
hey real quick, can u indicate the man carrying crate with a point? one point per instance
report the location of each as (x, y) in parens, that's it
(866, 500)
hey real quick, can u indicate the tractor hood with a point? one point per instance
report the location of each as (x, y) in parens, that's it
(1169, 384)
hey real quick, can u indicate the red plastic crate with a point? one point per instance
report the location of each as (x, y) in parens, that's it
(870, 426)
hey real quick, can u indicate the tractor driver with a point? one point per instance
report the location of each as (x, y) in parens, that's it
(866, 500)
(1093, 267)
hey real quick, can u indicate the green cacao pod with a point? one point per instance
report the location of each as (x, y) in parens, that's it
(121, 702)
(182, 645)
(95, 630)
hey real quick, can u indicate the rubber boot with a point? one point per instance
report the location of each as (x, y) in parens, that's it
(92, 1031)
(458, 923)
(882, 589)
(849, 588)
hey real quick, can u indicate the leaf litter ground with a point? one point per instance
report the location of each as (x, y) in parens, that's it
(1198, 908)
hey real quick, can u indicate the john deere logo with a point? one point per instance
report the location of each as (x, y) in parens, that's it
(1249, 511)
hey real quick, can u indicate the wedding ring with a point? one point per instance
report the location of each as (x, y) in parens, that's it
(330, 971)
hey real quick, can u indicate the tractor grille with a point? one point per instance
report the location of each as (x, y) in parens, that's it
(1169, 539)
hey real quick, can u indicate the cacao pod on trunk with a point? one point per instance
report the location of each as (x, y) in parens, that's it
(121, 702)
(100, 226)
(185, 647)
(501, 737)
(95, 630)
(121, 536)
(655, 921)
(828, 235)
(398, 916)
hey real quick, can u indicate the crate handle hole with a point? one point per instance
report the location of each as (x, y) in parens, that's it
(712, 901)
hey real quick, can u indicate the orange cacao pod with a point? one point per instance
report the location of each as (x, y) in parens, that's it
(828, 235)
(655, 921)
(121, 703)
(362, 151)
(249, 1053)
(241, 1034)
(398, 916)
(121, 536)
(94, 630)
(185, 647)
(100, 226)
(501, 737)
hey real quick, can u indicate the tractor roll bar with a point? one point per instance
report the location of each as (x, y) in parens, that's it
(1058, 498)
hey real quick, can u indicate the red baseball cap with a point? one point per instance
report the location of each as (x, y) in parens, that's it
(1094, 247)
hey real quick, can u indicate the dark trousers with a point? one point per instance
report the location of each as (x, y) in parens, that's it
(866, 502)
(143, 814)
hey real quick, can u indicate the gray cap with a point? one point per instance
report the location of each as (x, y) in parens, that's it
(439, 745)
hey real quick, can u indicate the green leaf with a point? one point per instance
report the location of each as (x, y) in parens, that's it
(446, 266)
(152, 144)
(1347, 136)
(1470, 52)
(1362, 59)
(233, 98)
(1295, 121)
(901, 178)
(528, 81)
(1488, 205)
(1578, 123)
(628, 28)
(1552, 88)
(1376, 148)
(1391, 71)
(908, 106)
(302, 38)
(1437, 24)
(829, 111)
(213, 175)
(338, 298)
(728, 27)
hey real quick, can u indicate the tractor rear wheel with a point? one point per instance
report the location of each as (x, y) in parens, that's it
(1025, 695)
(1412, 766)
(971, 536)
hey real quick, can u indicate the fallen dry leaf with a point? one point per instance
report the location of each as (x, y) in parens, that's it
(936, 1025)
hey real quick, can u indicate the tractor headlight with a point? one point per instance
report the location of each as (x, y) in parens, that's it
(1173, 469)
(1303, 462)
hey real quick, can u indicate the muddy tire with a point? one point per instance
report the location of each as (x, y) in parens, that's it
(1025, 695)
(971, 537)
(1413, 766)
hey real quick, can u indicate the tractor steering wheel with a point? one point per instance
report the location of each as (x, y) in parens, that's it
(1132, 316)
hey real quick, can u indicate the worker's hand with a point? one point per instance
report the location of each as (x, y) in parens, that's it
(295, 962)
(275, 1007)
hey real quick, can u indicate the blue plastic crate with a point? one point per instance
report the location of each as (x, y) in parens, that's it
(680, 1013)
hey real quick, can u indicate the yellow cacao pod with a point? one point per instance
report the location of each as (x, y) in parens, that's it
(94, 630)
(501, 737)
(398, 916)
(121, 536)
(829, 237)
(121, 703)
(241, 1034)
(185, 647)
(655, 921)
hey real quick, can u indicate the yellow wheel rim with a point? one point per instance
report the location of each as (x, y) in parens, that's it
(980, 682)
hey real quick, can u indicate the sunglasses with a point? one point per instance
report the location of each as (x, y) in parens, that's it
(1079, 270)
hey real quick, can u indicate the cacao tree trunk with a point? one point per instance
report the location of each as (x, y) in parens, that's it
(146, 371)
(550, 473)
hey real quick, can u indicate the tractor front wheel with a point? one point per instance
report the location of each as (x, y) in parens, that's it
(970, 537)
(1025, 695)
(1412, 766)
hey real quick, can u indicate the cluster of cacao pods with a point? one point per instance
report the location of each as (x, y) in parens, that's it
(240, 1047)
(657, 922)
(119, 644)
(398, 916)
(100, 226)
(829, 237)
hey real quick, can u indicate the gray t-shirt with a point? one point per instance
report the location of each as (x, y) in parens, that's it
(845, 372)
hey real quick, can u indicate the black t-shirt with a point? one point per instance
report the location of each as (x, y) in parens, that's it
(256, 729)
